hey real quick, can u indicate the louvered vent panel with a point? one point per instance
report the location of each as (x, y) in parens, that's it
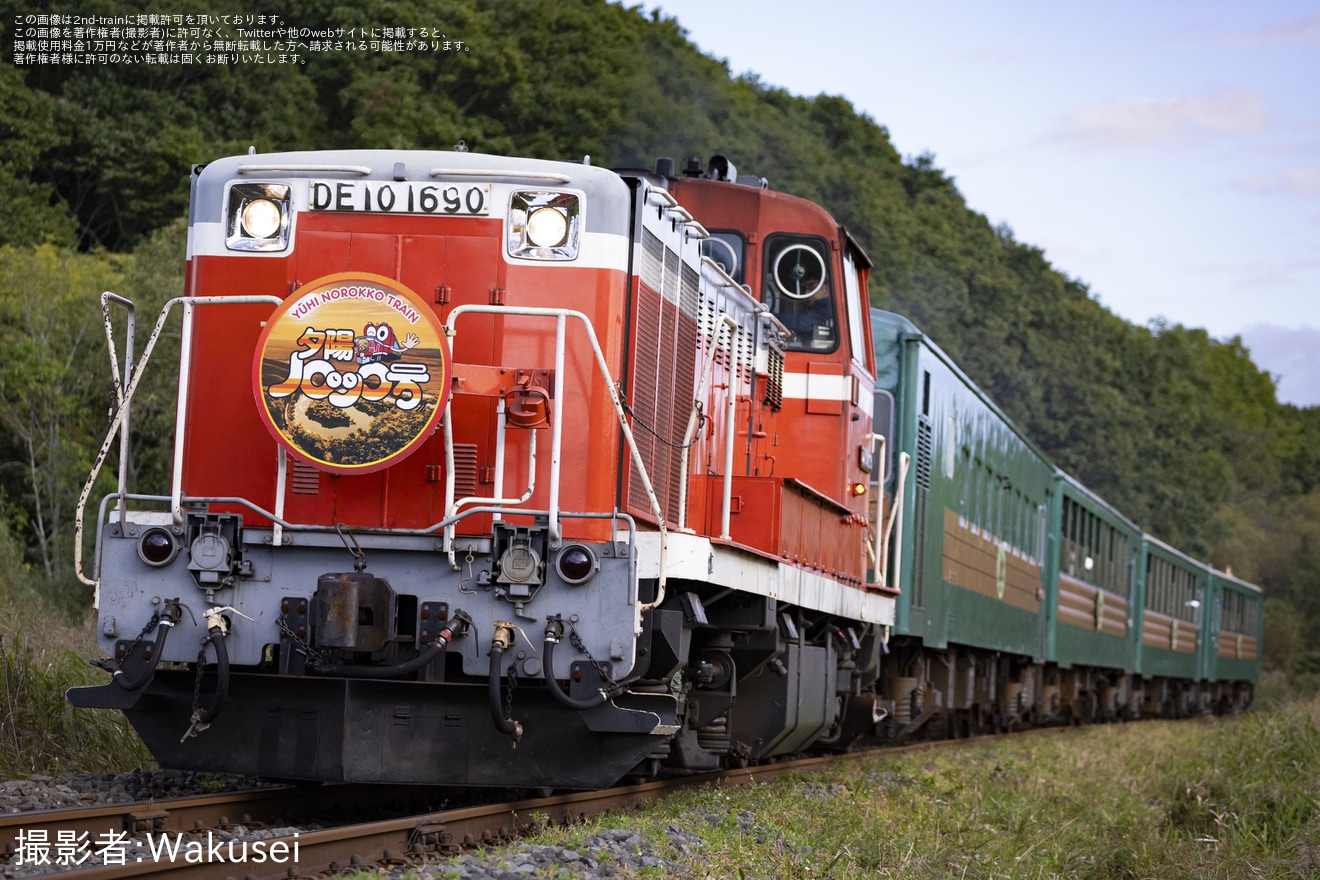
(642, 394)
(465, 470)
(685, 387)
(653, 255)
(706, 318)
(306, 479)
(923, 452)
(774, 385)
(671, 276)
(688, 295)
(746, 355)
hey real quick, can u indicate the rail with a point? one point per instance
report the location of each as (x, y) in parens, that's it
(406, 840)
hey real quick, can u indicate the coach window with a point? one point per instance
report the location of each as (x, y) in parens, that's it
(797, 289)
(728, 251)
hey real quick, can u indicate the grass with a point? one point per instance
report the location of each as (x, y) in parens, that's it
(46, 637)
(1196, 799)
(40, 733)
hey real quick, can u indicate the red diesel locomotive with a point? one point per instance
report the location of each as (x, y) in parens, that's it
(498, 471)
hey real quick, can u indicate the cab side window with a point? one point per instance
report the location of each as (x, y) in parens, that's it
(727, 249)
(797, 288)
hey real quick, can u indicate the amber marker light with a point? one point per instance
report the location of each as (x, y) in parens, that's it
(858, 489)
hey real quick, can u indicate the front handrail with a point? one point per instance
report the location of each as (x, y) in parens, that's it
(177, 500)
(125, 401)
(106, 298)
(561, 317)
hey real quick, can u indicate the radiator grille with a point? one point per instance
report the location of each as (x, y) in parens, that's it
(660, 398)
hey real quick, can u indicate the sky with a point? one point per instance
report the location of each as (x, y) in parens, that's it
(1165, 152)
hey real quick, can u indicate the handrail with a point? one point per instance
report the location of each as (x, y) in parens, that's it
(877, 554)
(896, 516)
(694, 420)
(120, 415)
(507, 173)
(304, 169)
(106, 298)
(561, 316)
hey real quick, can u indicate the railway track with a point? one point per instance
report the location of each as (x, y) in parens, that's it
(197, 831)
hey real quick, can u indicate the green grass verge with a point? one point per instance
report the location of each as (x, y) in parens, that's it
(46, 637)
(40, 733)
(1194, 799)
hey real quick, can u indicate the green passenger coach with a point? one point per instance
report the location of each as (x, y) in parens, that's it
(1023, 596)
(1092, 585)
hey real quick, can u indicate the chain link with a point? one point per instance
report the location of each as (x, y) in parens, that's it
(513, 683)
(576, 641)
(195, 725)
(151, 624)
(314, 658)
(702, 418)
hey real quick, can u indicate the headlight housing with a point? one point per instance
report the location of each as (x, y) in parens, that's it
(258, 217)
(544, 225)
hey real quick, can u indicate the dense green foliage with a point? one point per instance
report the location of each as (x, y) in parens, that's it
(1179, 430)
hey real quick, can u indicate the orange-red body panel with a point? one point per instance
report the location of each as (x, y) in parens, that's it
(228, 451)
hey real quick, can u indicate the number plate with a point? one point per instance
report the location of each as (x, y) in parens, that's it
(393, 197)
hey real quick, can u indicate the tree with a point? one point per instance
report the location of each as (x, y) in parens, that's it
(49, 398)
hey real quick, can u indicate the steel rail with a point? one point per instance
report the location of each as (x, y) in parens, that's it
(405, 841)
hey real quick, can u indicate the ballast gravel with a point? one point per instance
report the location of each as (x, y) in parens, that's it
(609, 853)
(92, 789)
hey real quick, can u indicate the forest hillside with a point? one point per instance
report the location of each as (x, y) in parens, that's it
(1179, 430)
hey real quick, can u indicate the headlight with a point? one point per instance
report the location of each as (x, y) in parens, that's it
(547, 227)
(544, 225)
(258, 217)
(261, 218)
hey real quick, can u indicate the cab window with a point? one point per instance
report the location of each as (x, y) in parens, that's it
(797, 289)
(728, 251)
(852, 287)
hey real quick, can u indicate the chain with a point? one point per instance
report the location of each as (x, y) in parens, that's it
(151, 624)
(513, 683)
(197, 683)
(314, 658)
(576, 641)
(195, 725)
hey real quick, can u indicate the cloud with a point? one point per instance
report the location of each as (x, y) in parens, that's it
(1142, 121)
(1303, 182)
(1292, 356)
(1293, 31)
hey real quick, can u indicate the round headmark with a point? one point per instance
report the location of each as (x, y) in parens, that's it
(352, 372)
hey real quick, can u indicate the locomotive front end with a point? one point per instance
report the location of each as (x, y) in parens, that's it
(395, 502)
